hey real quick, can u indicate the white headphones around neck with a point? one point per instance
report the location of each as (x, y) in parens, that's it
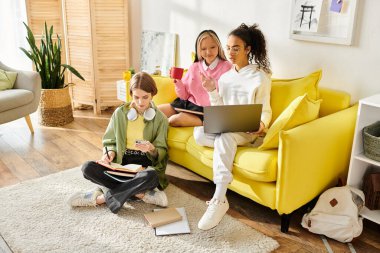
(149, 114)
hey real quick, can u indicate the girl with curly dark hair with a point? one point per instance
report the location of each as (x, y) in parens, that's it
(248, 82)
(254, 42)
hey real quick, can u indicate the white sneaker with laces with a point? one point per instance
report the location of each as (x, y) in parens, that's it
(215, 211)
(85, 198)
(156, 197)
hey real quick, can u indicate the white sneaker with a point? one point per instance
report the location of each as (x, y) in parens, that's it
(104, 189)
(85, 198)
(215, 211)
(126, 205)
(156, 197)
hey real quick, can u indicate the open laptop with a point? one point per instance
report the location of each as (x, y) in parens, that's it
(232, 118)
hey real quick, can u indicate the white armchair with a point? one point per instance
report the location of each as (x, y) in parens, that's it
(23, 99)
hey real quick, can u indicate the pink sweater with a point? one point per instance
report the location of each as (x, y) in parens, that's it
(190, 87)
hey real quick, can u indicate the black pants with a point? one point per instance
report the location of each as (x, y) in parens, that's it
(120, 192)
(186, 104)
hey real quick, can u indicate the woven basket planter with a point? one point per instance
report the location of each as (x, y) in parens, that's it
(371, 141)
(55, 107)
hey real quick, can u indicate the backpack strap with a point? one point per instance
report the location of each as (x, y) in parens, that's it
(329, 249)
(351, 247)
(326, 243)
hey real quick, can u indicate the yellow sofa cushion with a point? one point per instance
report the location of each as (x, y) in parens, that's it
(300, 111)
(256, 165)
(178, 137)
(166, 91)
(284, 91)
(333, 101)
(202, 153)
(249, 162)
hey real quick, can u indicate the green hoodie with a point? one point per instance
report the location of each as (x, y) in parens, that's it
(155, 131)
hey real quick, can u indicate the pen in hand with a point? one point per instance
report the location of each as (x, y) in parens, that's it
(108, 156)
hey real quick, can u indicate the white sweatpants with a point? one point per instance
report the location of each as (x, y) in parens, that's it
(225, 146)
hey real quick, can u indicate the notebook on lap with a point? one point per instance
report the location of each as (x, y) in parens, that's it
(232, 118)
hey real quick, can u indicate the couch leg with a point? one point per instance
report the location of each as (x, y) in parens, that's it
(285, 222)
(29, 122)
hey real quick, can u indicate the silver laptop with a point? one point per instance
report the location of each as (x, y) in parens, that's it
(232, 118)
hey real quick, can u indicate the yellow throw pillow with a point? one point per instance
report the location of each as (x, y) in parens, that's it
(284, 91)
(166, 90)
(7, 79)
(300, 111)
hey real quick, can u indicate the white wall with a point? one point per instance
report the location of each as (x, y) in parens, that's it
(13, 33)
(350, 68)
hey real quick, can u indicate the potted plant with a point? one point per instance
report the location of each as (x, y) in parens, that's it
(55, 104)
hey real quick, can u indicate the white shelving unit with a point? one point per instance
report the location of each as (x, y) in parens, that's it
(368, 113)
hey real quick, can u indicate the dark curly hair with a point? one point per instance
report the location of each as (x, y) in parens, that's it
(253, 37)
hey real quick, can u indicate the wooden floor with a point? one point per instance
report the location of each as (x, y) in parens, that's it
(51, 149)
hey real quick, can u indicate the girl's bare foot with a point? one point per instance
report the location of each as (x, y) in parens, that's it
(100, 199)
(140, 195)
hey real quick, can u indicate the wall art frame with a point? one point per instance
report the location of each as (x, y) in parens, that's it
(336, 21)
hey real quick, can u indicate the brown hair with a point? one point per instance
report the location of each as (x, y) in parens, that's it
(204, 34)
(143, 81)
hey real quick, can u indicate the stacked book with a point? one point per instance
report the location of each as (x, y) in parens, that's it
(168, 221)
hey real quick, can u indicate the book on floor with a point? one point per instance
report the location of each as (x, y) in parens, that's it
(132, 168)
(163, 217)
(178, 227)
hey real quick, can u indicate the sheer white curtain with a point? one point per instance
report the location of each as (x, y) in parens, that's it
(13, 33)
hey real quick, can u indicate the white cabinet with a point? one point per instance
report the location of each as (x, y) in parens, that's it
(368, 113)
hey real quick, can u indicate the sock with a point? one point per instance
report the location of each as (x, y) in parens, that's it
(220, 192)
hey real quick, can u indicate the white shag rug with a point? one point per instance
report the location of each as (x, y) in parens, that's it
(34, 217)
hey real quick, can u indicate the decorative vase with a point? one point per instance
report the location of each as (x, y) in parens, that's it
(55, 107)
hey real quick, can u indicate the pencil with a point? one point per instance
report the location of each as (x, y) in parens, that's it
(108, 156)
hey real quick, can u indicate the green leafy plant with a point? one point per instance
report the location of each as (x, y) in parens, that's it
(47, 59)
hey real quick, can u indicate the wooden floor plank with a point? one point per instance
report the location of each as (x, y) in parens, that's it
(92, 126)
(55, 155)
(93, 138)
(15, 163)
(76, 155)
(6, 177)
(30, 155)
(80, 143)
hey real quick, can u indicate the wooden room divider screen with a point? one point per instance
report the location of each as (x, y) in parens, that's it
(96, 38)
(41, 11)
(97, 42)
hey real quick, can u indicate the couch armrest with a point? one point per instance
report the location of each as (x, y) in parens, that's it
(312, 157)
(28, 80)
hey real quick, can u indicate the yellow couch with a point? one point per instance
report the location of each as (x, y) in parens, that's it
(310, 158)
